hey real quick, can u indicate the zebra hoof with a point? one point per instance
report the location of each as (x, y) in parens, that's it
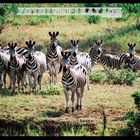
(72, 109)
(80, 107)
(67, 110)
(77, 107)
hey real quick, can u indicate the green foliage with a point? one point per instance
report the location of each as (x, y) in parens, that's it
(51, 90)
(81, 131)
(124, 76)
(93, 19)
(16, 22)
(45, 19)
(133, 124)
(33, 21)
(136, 97)
(71, 18)
(96, 77)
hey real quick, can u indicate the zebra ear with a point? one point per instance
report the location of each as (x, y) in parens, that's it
(77, 41)
(96, 42)
(57, 33)
(129, 44)
(50, 33)
(9, 44)
(34, 43)
(69, 53)
(134, 44)
(15, 45)
(71, 41)
(27, 43)
(62, 53)
(101, 42)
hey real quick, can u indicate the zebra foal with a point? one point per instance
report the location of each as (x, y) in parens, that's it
(74, 80)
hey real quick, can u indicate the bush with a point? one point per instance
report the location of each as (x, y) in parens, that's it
(33, 21)
(51, 90)
(124, 76)
(133, 124)
(16, 22)
(93, 19)
(71, 18)
(96, 77)
(136, 97)
(45, 19)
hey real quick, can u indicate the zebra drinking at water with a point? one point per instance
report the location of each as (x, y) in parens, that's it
(74, 80)
(35, 65)
(53, 57)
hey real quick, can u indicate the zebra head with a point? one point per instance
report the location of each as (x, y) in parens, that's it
(30, 48)
(12, 51)
(74, 46)
(53, 40)
(65, 60)
(131, 49)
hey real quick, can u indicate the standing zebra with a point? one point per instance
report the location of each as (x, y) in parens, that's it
(74, 80)
(53, 57)
(109, 60)
(35, 65)
(133, 61)
(17, 68)
(80, 58)
(4, 68)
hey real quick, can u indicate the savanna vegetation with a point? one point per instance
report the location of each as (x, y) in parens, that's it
(111, 106)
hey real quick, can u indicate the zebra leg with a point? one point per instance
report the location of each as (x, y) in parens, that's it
(67, 100)
(78, 97)
(1, 82)
(81, 96)
(35, 82)
(18, 81)
(72, 99)
(30, 83)
(4, 79)
(13, 82)
(39, 80)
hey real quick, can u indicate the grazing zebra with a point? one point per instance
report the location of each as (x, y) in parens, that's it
(133, 61)
(74, 80)
(53, 57)
(17, 68)
(4, 68)
(80, 58)
(35, 65)
(107, 60)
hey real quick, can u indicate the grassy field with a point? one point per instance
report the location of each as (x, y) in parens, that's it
(45, 114)
(41, 114)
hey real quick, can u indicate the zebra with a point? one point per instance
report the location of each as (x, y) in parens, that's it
(133, 61)
(82, 58)
(107, 60)
(35, 65)
(74, 80)
(17, 68)
(53, 57)
(4, 68)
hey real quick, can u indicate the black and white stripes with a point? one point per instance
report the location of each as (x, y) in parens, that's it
(74, 80)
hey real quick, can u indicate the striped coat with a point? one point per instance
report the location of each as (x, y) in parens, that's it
(74, 80)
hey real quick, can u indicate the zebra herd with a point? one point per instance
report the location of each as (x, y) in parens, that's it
(26, 65)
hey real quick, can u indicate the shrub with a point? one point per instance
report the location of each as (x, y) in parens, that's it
(44, 19)
(72, 17)
(124, 76)
(96, 77)
(133, 124)
(51, 90)
(33, 21)
(16, 22)
(136, 97)
(93, 19)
